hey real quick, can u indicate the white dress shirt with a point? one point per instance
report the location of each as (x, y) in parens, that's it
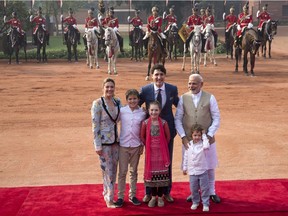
(215, 115)
(163, 93)
(131, 126)
(211, 155)
(195, 162)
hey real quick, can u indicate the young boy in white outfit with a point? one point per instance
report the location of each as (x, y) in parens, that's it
(131, 147)
(195, 165)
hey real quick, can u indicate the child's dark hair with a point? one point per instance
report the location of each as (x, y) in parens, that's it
(155, 103)
(158, 67)
(197, 128)
(130, 92)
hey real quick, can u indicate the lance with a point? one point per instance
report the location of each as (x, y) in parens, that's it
(62, 27)
(224, 8)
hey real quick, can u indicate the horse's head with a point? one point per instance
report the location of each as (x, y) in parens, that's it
(14, 36)
(137, 35)
(274, 24)
(41, 33)
(108, 36)
(208, 30)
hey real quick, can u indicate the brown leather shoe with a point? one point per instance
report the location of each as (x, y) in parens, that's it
(168, 198)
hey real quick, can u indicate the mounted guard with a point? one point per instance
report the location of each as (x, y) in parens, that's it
(244, 21)
(90, 23)
(208, 18)
(112, 22)
(264, 17)
(39, 20)
(170, 19)
(154, 23)
(136, 23)
(192, 21)
(70, 20)
(231, 20)
(14, 22)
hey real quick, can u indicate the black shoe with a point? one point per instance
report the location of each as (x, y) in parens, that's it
(189, 198)
(135, 201)
(215, 198)
(119, 203)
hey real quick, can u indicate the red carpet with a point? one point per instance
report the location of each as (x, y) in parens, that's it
(256, 197)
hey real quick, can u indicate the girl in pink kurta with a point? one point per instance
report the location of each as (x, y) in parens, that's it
(155, 135)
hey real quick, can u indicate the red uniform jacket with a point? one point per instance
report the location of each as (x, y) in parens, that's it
(91, 22)
(231, 20)
(155, 23)
(110, 22)
(194, 20)
(243, 21)
(264, 16)
(70, 21)
(38, 20)
(208, 20)
(170, 20)
(14, 22)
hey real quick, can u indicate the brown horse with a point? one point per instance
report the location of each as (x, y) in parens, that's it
(154, 51)
(250, 44)
(268, 31)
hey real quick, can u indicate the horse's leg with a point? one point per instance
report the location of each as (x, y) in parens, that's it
(25, 53)
(213, 57)
(114, 63)
(192, 61)
(38, 53)
(149, 66)
(109, 65)
(205, 59)
(87, 58)
(75, 52)
(236, 58)
(184, 58)
(231, 51)
(132, 52)
(245, 62)
(269, 50)
(44, 53)
(96, 55)
(69, 51)
(16, 54)
(265, 48)
(252, 63)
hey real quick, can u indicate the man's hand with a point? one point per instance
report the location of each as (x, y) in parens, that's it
(184, 172)
(210, 139)
(185, 142)
(141, 149)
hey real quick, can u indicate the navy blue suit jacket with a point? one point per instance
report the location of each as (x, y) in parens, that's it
(147, 95)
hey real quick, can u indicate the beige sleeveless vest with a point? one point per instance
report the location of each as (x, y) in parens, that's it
(200, 115)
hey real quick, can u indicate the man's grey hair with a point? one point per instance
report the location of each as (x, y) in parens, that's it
(197, 77)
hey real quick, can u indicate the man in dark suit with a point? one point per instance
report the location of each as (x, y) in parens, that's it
(168, 98)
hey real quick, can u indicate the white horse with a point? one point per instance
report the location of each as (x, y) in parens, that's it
(209, 46)
(92, 51)
(112, 48)
(195, 50)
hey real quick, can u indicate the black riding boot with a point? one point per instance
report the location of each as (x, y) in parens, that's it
(78, 37)
(48, 36)
(120, 40)
(164, 46)
(203, 44)
(85, 42)
(130, 38)
(215, 38)
(145, 42)
(35, 39)
(188, 41)
(65, 38)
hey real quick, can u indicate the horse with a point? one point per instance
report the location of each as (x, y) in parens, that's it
(195, 45)
(230, 35)
(209, 46)
(155, 51)
(112, 48)
(15, 42)
(41, 41)
(251, 44)
(92, 51)
(269, 29)
(172, 39)
(72, 39)
(137, 43)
